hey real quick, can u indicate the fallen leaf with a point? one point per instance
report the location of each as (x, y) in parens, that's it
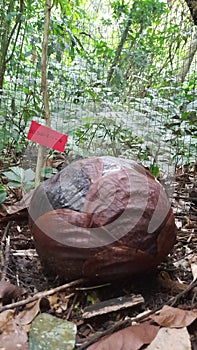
(3, 211)
(5, 316)
(194, 270)
(174, 317)
(183, 263)
(53, 300)
(13, 341)
(179, 223)
(58, 302)
(193, 262)
(49, 332)
(29, 313)
(131, 338)
(22, 204)
(12, 335)
(171, 338)
(173, 286)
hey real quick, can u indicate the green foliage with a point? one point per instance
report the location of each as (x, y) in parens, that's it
(48, 172)
(3, 193)
(107, 137)
(20, 178)
(141, 11)
(92, 299)
(154, 169)
(23, 178)
(84, 44)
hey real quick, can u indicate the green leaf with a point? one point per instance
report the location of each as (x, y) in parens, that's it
(29, 175)
(17, 184)
(48, 333)
(154, 169)
(12, 176)
(29, 186)
(18, 171)
(48, 172)
(19, 176)
(3, 194)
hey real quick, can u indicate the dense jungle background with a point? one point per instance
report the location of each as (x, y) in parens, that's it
(121, 77)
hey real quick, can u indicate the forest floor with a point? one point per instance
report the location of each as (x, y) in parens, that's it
(20, 265)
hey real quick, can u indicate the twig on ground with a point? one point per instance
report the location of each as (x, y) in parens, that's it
(191, 286)
(42, 294)
(7, 257)
(5, 250)
(6, 230)
(72, 307)
(94, 287)
(128, 322)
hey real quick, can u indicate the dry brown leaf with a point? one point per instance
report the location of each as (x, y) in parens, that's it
(173, 286)
(193, 263)
(131, 338)
(194, 270)
(171, 338)
(12, 335)
(58, 302)
(16, 340)
(3, 211)
(54, 300)
(5, 316)
(174, 317)
(22, 204)
(29, 313)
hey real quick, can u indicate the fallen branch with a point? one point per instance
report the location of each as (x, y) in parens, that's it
(5, 250)
(128, 322)
(42, 295)
(112, 305)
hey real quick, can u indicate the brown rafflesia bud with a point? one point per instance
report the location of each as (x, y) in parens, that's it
(101, 217)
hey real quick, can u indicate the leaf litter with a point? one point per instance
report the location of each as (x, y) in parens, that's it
(154, 323)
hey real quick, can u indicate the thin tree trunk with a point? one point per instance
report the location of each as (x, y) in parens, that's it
(120, 47)
(7, 35)
(41, 149)
(44, 62)
(5, 27)
(193, 9)
(187, 61)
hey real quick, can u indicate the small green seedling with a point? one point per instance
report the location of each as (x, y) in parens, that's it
(20, 178)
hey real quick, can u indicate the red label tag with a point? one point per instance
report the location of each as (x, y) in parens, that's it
(47, 137)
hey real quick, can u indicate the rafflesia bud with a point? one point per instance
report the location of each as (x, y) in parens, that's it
(101, 217)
